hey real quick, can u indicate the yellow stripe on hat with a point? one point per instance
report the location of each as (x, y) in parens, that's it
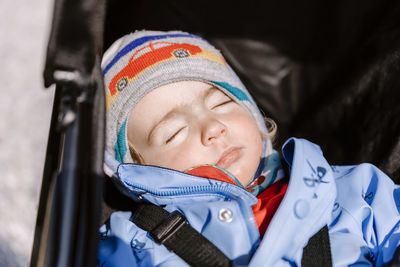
(110, 99)
(207, 54)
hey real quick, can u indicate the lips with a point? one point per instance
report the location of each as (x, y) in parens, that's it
(229, 156)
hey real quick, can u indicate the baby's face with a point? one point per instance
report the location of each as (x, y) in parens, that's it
(189, 123)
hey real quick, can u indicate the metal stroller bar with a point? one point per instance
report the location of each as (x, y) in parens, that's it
(71, 193)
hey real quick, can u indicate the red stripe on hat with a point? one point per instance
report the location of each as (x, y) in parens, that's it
(138, 65)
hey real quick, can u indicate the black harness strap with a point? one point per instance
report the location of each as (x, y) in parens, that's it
(318, 250)
(173, 231)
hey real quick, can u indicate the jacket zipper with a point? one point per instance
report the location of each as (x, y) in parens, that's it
(217, 189)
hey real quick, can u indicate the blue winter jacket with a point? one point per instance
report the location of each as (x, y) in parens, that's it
(360, 205)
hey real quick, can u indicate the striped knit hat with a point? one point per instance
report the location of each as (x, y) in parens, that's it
(139, 62)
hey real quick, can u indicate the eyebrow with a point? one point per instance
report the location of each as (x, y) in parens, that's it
(209, 91)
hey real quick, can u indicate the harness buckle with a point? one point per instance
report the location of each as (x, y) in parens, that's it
(168, 227)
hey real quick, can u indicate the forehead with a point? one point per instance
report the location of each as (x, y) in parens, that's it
(163, 99)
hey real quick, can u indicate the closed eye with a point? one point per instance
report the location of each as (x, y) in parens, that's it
(222, 103)
(174, 135)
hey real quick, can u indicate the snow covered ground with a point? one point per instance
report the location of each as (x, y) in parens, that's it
(25, 110)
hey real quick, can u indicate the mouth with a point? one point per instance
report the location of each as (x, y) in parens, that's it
(229, 156)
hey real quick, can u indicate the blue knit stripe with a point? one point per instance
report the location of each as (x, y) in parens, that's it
(120, 147)
(239, 94)
(138, 42)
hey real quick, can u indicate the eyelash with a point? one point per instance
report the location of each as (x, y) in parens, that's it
(174, 135)
(223, 103)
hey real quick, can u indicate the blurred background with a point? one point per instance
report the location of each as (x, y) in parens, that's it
(341, 42)
(25, 110)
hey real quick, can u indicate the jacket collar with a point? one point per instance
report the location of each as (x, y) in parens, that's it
(164, 186)
(307, 205)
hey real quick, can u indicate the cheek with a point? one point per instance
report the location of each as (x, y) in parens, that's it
(178, 158)
(183, 158)
(248, 135)
(246, 129)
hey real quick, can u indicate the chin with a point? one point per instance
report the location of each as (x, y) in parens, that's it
(243, 179)
(244, 175)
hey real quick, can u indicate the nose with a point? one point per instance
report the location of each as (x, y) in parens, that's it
(212, 131)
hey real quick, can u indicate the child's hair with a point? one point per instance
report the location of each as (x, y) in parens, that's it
(142, 61)
(272, 128)
(136, 157)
